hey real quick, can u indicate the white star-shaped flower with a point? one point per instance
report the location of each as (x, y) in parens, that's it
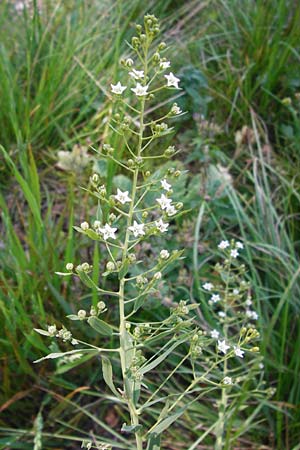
(208, 286)
(161, 225)
(234, 253)
(137, 74)
(165, 185)
(215, 298)
(164, 201)
(140, 90)
(227, 380)
(172, 80)
(108, 232)
(239, 245)
(223, 245)
(214, 334)
(118, 88)
(251, 314)
(223, 347)
(221, 314)
(171, 210)
(164, 65)
(122, 197)
(238, 352)
(137, 229)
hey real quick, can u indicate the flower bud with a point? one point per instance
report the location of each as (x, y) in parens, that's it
(145, 214)
(70, 267)
(84, 226)
(93, 311)
(162, 46)
(101, 306)
(147, 173)
(112, 217)
(97, 224)
(164, 254)
(85, 267)
(110, 266)
(177, 173)
(81, 314)
(254, 349)
(157, 276)
(52, 330)
(135, 42)
(139, 28)
(95, 178)
(129, 62)
(131, 258)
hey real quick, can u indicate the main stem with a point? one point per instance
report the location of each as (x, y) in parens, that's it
(220, 428)
(125, 343)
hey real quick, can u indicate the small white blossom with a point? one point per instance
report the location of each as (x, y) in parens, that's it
(81, 314)
(164, 201)
(208, 286)
(221, 314)
(227, 380)
(108, 232)
(70, 267)
(172, 80)
(122, 197)
(238, 352)
(234, 253)
(175, 109)
(84, 226)
(137, 229)
(223, 347)
(97, 224)
(248, 302)
(52, 330)
(161, 225)
(118, 88)
(157, 276)
(171, 210)
(165, 185)
(215, 298)
(136, 74)
(164, 65)
(164, 254)
(223, 245)
(239, 245)
(261, 366)
(236, 291)
(251, 314)
(214, 334)
(140, 90)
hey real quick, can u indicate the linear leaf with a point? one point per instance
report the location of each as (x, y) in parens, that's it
(100, 326)
(108, 375)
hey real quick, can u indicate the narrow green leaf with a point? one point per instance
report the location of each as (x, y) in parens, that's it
(131, 428)
(108, 375)
(153, 442)
(162, 357)
(100, 326)
(164, 424)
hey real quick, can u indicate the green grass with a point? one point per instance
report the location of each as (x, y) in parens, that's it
(54, 68)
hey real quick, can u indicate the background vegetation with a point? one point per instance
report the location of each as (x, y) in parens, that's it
(239, 66)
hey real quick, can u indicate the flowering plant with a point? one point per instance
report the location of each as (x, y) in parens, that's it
(124, 222)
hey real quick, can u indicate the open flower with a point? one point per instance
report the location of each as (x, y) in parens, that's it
(165, 185)
(227, 380)
(137, 229)
(108, 232)
(239, 245)
(164, 201)
(118, 88)
(136, 74)
(223, 347)
(214, 334)
(238, 352)
(122, 197)
(140, 90)
(172, 80)
(215, 298)
(161, 225)
(234, 253)
(208, 286)
(164, 65)
(223, 245)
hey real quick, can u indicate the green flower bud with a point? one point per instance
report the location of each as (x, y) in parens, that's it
(81, 314)
(110, 266)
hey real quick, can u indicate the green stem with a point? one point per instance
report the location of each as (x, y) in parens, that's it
(125, 343)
